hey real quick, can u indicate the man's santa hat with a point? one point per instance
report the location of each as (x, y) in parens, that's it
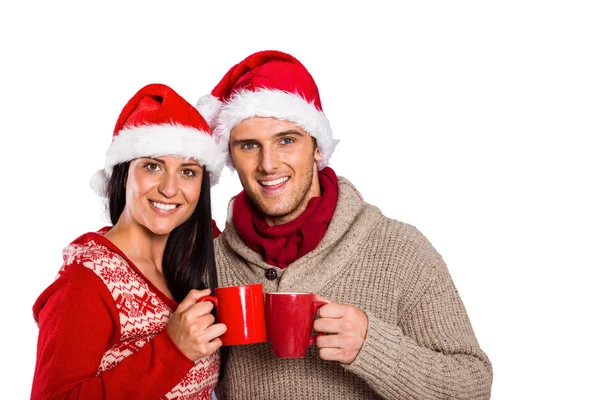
(268, 84)
(159, 122)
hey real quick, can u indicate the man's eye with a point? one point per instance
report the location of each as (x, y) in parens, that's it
(287, 141)
(248, 146)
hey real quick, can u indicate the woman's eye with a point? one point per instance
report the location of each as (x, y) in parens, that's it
(189, 173)
(152, 167)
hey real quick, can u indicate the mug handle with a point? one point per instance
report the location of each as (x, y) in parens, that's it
(212, 299)
(316, 306)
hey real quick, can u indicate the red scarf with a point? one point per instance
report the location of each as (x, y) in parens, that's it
(281, 245)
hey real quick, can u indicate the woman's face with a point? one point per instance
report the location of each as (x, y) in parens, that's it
(162, 192)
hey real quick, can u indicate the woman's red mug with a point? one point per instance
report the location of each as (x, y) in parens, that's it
(242, 310)
(290, 319)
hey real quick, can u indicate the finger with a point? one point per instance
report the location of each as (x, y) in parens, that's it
(204, 348)
(205, 321)
(334, 341)
(328, 325)
(212, 346)
(345, 356)
(333, 310)
(330, 354)
(206, 341)
(198, 309)
(215, 343)
(214, 331)
(192, 298)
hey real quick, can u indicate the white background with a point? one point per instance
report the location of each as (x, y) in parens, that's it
(475, 121)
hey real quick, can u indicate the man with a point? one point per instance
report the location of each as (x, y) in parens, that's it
(394, 326)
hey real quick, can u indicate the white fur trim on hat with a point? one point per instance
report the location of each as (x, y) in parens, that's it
(276, 104)
(161, 140)
(209, 107)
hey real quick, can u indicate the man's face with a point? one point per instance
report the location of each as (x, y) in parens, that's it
(277, 165)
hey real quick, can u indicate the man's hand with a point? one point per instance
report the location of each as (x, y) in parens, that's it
(345, 329)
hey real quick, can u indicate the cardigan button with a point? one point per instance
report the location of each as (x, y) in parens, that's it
(271, 274)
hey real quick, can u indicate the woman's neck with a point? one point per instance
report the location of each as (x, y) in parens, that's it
(144, 249)
(139, 244)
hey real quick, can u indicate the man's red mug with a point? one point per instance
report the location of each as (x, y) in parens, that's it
(242, 310)
(289, 323)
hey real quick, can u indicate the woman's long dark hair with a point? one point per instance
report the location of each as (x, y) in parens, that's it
(189, 258)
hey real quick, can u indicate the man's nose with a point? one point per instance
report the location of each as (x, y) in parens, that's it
(269, 160)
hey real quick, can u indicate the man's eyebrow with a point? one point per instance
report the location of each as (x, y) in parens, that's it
(277, 135)
(242, 141)
(289, 132)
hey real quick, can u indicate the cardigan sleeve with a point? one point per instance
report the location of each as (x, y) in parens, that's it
(78, 322)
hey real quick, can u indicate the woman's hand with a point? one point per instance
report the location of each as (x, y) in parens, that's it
(192, 328)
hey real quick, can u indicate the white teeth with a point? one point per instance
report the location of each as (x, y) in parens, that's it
(275, 182)
(162, 206)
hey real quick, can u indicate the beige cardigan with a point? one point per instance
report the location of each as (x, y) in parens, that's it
(419, 344)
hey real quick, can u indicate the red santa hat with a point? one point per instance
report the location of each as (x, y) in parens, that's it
(268, 84)
(159, 122)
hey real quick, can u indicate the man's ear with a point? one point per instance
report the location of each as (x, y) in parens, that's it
(318, 156)
(229, 155)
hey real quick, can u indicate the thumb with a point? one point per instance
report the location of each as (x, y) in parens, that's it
(192, 298)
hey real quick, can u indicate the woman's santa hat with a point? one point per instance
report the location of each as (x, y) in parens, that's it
(159, 122)
(268, 84)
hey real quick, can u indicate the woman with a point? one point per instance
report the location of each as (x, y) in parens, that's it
(124, 318)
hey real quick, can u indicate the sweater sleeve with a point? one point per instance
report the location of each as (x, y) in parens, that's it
(78, 322)
(431, 354)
